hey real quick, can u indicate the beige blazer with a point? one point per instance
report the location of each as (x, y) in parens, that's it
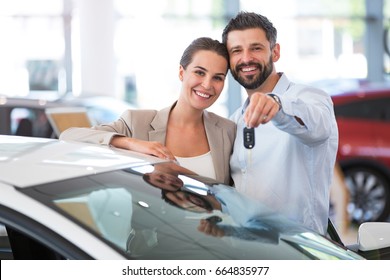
(151, 125)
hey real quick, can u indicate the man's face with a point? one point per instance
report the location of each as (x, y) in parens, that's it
(251, 57)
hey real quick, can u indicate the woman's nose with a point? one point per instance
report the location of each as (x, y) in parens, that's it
(206, 83)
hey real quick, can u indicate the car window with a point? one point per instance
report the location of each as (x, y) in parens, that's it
(30, 122)
(145, 219)
(23, 238)
(374, 109)
(5, 247)
(24, 247)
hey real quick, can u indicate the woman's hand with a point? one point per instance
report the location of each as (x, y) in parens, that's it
(146, 147)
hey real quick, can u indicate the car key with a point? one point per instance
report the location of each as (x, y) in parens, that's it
(249, 137)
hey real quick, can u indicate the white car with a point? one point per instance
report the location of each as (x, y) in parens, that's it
(68, 200)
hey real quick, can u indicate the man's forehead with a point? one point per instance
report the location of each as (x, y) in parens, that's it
(247, 37)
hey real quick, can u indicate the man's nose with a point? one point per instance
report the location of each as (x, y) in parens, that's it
(246, 56)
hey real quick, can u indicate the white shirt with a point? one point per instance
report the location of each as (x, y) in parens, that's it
(291, 166)
(202, 165)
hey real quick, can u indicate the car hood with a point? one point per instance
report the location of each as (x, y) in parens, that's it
(22, 159)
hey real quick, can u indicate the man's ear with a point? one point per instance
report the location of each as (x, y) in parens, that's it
(276, 52)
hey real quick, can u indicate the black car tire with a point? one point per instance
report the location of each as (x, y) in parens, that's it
(369, 192)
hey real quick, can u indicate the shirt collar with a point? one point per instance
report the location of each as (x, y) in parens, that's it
(282, 85)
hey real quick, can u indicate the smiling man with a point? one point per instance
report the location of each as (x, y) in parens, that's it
(290, 166)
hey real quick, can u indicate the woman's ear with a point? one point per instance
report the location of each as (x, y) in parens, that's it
(181, 73)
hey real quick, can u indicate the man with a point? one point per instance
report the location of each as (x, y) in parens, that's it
(290, 167)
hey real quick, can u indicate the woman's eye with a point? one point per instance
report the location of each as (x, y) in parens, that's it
(200, 73)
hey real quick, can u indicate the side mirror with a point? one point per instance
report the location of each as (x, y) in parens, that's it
(373, 236)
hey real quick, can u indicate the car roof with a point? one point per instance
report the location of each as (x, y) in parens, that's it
(89, 100)
(28, 161)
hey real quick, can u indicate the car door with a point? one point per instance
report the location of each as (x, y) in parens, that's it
(381, 130)
(356, 122)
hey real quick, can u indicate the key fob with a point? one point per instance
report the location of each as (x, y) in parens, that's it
(249, 137)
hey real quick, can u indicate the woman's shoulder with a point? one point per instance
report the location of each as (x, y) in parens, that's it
(141, 112)
(138, 117)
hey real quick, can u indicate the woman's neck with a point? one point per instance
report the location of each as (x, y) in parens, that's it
(183, 115)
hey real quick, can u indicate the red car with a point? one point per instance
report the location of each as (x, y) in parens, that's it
(363, 118)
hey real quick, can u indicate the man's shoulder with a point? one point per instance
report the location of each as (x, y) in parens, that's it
(301, 88)
(298, 87)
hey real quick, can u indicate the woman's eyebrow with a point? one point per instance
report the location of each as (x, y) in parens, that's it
(204, 69)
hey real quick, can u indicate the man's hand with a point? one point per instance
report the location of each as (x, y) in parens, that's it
(261, 109)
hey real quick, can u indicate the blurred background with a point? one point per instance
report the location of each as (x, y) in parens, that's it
(109, 55)
(130, 49)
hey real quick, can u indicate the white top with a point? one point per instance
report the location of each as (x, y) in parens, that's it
(202, 165)
(290, 168)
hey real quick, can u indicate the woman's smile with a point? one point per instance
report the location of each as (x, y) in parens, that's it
(201, 94)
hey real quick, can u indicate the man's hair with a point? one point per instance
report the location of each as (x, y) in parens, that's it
(205, 44)
(248, 20)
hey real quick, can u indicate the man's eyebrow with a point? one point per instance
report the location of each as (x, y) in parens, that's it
(235, 47)
(256, 44)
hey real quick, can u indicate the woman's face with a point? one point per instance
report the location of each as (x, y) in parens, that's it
(204, 78)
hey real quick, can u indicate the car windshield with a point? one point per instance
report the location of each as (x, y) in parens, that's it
(160, 212)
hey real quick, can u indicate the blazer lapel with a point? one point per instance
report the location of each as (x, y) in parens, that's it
(159, 125)
(215, 139)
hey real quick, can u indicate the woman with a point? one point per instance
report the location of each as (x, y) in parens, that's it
(199, 140)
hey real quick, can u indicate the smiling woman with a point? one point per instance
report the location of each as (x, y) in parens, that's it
(186, 130)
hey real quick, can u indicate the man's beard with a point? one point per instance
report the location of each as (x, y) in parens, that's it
(253, 81)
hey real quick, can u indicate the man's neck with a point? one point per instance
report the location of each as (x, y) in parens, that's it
(268, 85)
